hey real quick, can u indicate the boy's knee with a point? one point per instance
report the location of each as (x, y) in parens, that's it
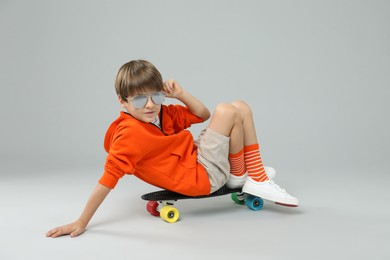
(227, 110)
(243, 107)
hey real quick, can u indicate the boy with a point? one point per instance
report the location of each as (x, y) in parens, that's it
(149, 141)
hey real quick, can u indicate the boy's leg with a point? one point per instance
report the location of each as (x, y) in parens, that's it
(227, 121)
(252, 158)
(247, 162)
(236, 121)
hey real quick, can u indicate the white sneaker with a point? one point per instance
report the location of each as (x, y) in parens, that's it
(271, 172)
(239, 181)
(269, 190)
(236, 181)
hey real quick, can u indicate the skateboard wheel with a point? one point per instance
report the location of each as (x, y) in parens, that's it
(238, 198)
(169, 214)
(151, 207)
(254, 203)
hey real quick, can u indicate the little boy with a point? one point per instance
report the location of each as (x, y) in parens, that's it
(149, 140)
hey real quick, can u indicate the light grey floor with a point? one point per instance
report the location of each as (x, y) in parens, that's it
(343, 219)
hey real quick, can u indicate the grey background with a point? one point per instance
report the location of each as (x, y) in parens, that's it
(316, 74)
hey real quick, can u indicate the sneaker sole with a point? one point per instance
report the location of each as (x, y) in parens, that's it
(272, 200)
(287, 205)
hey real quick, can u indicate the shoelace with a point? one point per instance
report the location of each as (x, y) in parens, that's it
(277, 186)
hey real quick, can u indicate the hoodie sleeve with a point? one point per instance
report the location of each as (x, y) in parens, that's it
(181, 117)
(122, 157)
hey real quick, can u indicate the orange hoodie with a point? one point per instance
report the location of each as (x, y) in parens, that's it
(165, 157)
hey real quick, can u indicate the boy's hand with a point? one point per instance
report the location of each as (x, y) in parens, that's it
(172, 89)
(73, 229)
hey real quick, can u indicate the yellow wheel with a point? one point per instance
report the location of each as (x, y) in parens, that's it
(169, 214)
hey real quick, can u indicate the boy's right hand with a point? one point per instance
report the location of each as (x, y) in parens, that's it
(73, 230)
(172, 89)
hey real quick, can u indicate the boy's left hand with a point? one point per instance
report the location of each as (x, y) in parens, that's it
(172, 89)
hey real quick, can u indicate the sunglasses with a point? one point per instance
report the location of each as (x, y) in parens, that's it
(140, 101)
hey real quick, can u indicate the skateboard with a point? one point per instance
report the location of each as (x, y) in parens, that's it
(161, 203)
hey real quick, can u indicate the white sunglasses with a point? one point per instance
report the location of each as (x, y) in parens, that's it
(140, 101)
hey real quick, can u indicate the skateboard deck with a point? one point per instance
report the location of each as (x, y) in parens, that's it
(166, 195)
(161, 202)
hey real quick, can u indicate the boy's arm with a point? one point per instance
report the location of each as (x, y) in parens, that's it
(195, 106)
(78, 227)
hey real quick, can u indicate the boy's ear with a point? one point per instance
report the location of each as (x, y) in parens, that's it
(121, 101)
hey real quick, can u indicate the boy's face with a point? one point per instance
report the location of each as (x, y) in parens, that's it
(147, 110)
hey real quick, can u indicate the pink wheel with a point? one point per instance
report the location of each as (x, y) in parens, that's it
(151, 207)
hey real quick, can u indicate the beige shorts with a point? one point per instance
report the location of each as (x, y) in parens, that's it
(213, 154)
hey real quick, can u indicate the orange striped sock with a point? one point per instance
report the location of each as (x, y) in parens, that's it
(237, 164)
(254, 164)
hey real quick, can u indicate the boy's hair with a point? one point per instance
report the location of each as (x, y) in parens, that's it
(136, 77)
